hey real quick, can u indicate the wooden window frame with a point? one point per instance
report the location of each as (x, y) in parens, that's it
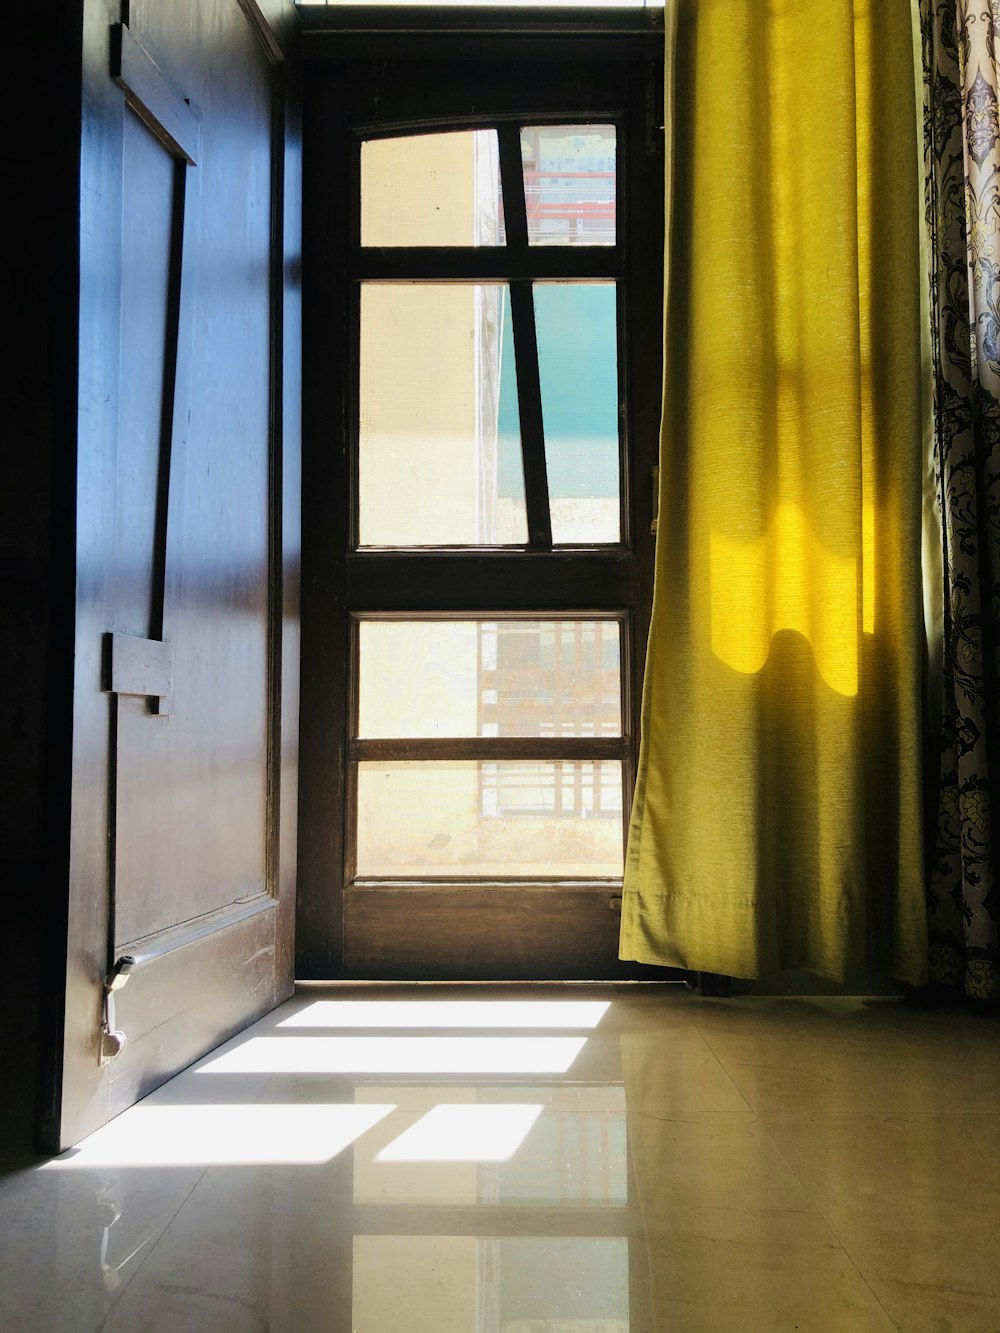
(343, 580)
(517, 265)
(487, 749)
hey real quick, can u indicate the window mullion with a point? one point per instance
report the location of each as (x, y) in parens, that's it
(491, 749)
(515, 212)
(529, 397)
(522, 310)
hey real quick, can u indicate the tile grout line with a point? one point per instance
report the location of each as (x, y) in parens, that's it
(814, 1203)
(828, 1224)
(715, 1055)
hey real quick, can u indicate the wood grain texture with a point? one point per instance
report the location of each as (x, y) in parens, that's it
(483, 933)
(434, 82)
(632, 30)
(141, 666)
(222, 981)
(529, 398)
(200, 804)
(489, 580)
(481, 264)
(149, 94)
(492, 748)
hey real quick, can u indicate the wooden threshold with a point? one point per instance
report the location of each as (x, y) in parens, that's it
(468, 931)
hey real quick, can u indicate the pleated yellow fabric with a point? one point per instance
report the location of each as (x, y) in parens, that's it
(777, 815)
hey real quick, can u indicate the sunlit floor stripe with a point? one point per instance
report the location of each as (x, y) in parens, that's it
(450, 1133)
(224, 1135)
(398, 1055)
(449, 1014)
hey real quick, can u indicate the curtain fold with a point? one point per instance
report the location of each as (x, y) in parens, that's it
(777, 814)
(962, 145)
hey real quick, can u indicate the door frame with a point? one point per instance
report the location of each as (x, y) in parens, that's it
(342, 44)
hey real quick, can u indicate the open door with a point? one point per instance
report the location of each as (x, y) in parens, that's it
(185, 717)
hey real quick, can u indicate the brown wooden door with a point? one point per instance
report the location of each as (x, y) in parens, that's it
(185, 696)
(482, 387)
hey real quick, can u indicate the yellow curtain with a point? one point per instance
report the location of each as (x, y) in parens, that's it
(777, 815)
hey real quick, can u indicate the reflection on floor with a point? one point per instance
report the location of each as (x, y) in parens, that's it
(535, 1160)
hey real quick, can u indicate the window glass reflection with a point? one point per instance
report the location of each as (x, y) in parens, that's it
(509, 1284)
(508, 1146)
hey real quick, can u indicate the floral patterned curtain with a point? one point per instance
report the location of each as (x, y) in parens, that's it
(961, 43)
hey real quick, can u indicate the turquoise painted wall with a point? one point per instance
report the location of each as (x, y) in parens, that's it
(578, 364)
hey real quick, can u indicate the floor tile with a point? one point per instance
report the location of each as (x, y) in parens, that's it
(516, 1159)
(71, 1239)
(915, 1200)
(852, 1054)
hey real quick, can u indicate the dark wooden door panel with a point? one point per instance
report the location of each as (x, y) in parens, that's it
(184, 741)
(195, 434)
(152, 206)
(214, 982)
(201, 763)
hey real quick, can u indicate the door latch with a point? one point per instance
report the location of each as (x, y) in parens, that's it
(113, 1040)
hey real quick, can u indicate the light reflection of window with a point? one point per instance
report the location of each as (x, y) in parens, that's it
(491, 1283)
(573, 1150)
(576, 1151)
(477, 1133)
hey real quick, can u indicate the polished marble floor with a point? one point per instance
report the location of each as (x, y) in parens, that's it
(535, 1160)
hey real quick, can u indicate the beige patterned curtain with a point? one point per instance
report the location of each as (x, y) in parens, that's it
(961, 45)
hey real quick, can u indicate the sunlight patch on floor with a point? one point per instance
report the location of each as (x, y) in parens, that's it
(449, 1014)
(398, 1055)
(225, 1135)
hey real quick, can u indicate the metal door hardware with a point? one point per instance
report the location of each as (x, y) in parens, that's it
(113, 1040)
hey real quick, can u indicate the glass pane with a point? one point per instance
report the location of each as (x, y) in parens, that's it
(467, 817)
(432, 189)
(456, 678)
(569, 184)
(439, 453)
(578, 368)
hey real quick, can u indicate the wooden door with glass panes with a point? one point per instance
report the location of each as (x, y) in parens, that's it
(483, 265)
